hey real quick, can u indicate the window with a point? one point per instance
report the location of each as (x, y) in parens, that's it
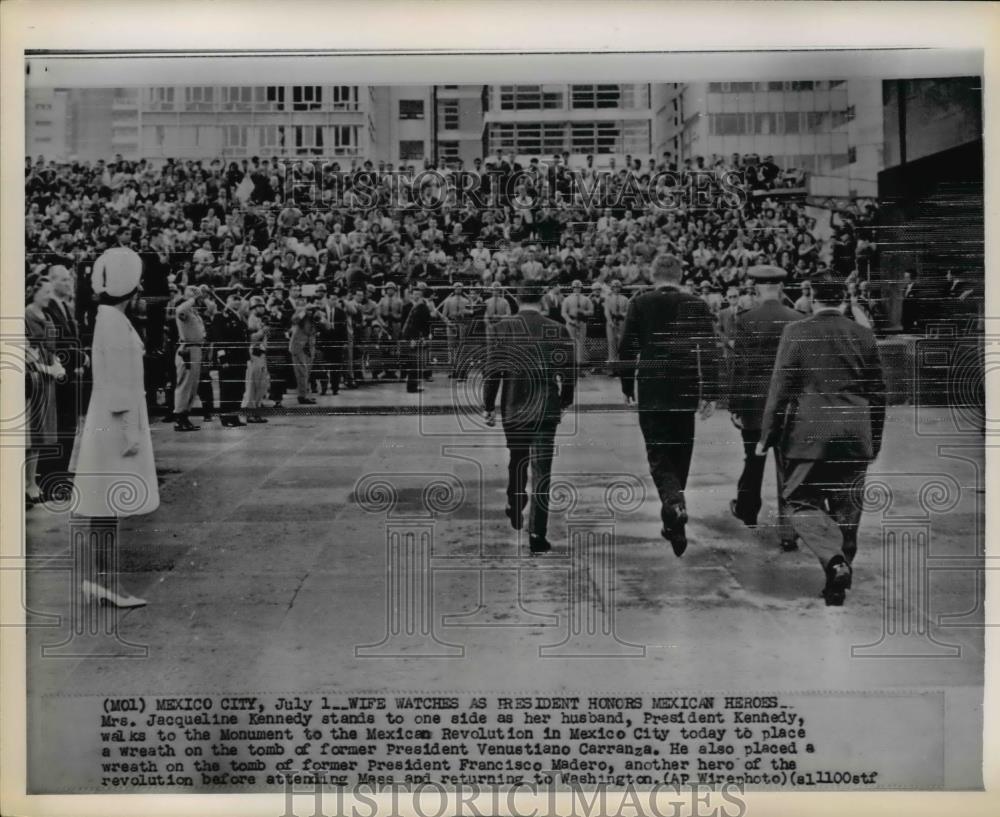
(596, 137)
(530, 97)
(43, 123)
(237, 97)
(411, 109)
(269, 98)
(199, 98)
(234, 140)
(271, 139)
(765, 123)
(776, 86)
(159, 136)
(596, 96)
(448, 151)
(789, 122)
(411, 149)
(816, 121)
(345, 97)
(307, 97)
(344, 139)
(161, 99)
(449, 114)
(308, 139)
(41, 106)
(852, 155)
(802, 86)
(729, 124)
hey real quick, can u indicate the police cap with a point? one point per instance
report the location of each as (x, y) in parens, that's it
(766, 274)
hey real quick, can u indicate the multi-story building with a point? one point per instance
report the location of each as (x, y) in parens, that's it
(46, 124)
(459, 123)
(831, 129)
(607, 120)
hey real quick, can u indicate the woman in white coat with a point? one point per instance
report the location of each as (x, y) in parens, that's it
(115, 473)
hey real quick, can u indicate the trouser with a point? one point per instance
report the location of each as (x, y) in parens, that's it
(825, 502)
(669, 437)
(578, 331)
(414, 363)
(205, 392)
(188, 366)
(232, 382)
(531, 450)
(456, 334)
(302, 361)
(278, 365)
(748, 488)
(68, 411)
(615, 331)
(395, 329)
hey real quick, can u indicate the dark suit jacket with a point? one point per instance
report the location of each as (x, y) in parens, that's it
(533, 356)
(827, 395)
(672, 335)
(67, 343)
(756, 335)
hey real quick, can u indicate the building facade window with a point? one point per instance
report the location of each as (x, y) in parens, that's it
(199, 98)
(411, 149)
(344, 139)
(852, 155)
(531, 97)
(345, 97)
(448, 153)
(308, 140)
(411, 109)
(449, 114)
(161, 99)
(307, 97)
(596, 96)
(237, 97)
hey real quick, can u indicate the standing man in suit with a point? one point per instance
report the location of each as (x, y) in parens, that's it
(497, 309)
(533, 358)
(755, 337)
(415, 333)
(302, 347)
(70, 353)
(456, 310)
(825, 414)
(669, 337)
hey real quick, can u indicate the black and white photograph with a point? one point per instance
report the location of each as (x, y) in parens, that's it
(553, 423)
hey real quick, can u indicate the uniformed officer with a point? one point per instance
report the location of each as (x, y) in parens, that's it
(754, 337)
(672, 335)
(390, 312)
(497, 308)
(615, 307)
(456, 310)
(825, 413)
(190, 339)
(552, 302)
(229, 333)
(576, 309)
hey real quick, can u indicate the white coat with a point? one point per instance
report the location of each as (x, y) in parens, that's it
(108, 483)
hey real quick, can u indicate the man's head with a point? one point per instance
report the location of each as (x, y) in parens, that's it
(827, 288)
(666, 269)
(768, 281)
(62, 281)
(530, 295)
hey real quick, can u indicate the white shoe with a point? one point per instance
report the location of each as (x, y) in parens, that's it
(95, 592)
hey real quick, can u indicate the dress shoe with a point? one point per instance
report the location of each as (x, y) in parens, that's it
(750, 523)
(789, 545)
(306, 401)
(232, 422)
(838, 579)
(516, 517)
(539, 544)
(95, 592)
(184, 424)
(414, 390)
(256, 419)
(674, 517)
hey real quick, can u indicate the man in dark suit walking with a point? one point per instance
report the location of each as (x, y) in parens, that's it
(68, 390)
(756, 334)
(533, 357)
(825, 414)
(415, 333)
(672, 336)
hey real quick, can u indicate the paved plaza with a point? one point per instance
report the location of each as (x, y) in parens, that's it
(336, 551)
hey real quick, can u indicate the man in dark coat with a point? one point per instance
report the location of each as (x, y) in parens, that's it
(533, 358)
(232, 352)
(755, 338)
(672, 335)
(69, 389)
(825, 414)
(415, 332)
